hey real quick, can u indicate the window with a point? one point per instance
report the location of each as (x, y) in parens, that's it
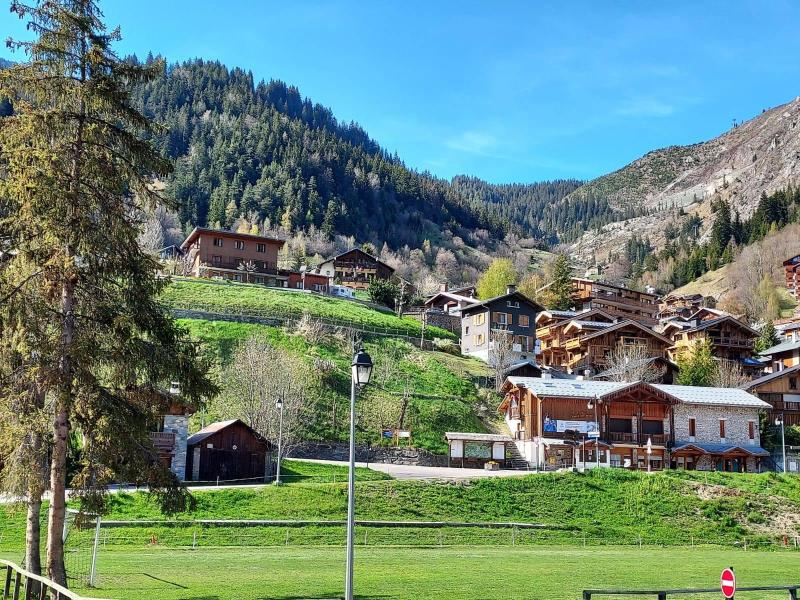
(524, 321)
(216, 259)
(722, 429)
(751, 429)
(692, 427)
(620, 425)
(261, 247)
(792, 383)
(653, 427)
(218, 242)
(511, 304)
(479, 339)
(466, 331)
(502, 318)
(479, 319)
(239, 244)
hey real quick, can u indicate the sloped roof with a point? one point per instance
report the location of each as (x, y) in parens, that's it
(628, 323)
(476, 437)
(515, 294)
(450, 296)
(210, 430)
(711, 322)
(782, 347)
(770, 377)
(197, 231)
(360, 251)
(709, 448)
(561, 388)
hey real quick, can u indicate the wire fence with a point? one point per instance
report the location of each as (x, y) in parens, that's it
(276, 318)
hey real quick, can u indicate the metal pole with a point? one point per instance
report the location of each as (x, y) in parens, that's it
(351, 485)
(597, 439)
(783, 441)
(280, 445)
(93, 572)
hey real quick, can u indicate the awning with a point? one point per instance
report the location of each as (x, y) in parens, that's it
(693, 448)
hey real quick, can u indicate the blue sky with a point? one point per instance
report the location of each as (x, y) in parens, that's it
(507, 91)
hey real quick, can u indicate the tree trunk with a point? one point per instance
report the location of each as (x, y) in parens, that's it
(58, 488)
(33, 556)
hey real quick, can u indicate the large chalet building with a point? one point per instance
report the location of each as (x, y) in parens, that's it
(784, 355)
(792, 268)
(583, 342)
(512, 312)
(615, 300)
(559, 423)
(731, 339)
(781, 390)
(234, 256)
(354, 268)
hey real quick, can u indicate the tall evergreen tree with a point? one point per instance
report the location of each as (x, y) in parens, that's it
(768, 337)
(560, 289)
(80, 297)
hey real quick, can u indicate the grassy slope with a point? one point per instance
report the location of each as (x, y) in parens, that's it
(449, 379)
(613, 505)
(428, 573)
(230, 297)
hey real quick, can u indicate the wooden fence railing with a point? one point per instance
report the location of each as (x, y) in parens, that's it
(19, 584)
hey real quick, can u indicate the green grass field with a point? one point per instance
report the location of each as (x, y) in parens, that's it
(458, 573)
(235, 298)
(449, 401)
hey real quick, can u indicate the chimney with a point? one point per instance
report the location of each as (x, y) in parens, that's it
(511, 288)
(443, 287)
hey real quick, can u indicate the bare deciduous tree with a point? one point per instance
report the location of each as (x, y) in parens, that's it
(312, 330)
(501, 354)
(631, 363)
(261, 375)
(728, 374)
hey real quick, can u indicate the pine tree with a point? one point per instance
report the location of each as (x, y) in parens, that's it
(560, 289)
(79, 296)
(697, 367)
(768, 337)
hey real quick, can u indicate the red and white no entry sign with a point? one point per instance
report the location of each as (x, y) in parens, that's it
(727, 582)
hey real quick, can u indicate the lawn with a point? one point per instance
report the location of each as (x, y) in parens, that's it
(457, 573)
(249, 299)
(447, 399)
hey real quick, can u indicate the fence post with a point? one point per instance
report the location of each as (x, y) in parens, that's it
(93, 571)
(792, 593)
(7, 589)
(587, 595)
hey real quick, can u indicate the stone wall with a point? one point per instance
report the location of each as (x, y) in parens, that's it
(378, 454)
(707, 424)
(179, 425)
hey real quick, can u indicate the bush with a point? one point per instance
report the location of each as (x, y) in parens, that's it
(448, 346)
(755, 517)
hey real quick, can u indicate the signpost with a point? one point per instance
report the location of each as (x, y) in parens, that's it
(728, 583)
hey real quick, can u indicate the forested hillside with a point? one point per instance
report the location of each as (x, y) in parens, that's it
(263, 152)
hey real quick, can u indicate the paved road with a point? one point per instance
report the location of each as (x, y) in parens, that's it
(416, 472)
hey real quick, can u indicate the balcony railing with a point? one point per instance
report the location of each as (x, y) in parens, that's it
(163, 441)
(243, 266)
(657, 439)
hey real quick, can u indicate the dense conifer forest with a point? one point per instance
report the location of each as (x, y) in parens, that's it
(263, 152)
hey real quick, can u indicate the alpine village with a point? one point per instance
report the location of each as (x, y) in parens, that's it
(238, 338)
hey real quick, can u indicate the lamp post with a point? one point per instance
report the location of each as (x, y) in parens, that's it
(361, 371)
(649, 452)
(593, 405)
(779, 421)
(279, 406)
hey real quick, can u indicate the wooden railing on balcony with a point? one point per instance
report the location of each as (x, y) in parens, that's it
(736, 342)
(255, 266)
(163, 441)
(20, 584)
(657, 439)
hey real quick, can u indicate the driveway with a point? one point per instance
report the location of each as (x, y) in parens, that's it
(417, 472)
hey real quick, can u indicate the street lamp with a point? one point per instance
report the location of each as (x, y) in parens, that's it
(779, 421)
(593, 405)
(279, 406)
(361, 371)
(649, 452)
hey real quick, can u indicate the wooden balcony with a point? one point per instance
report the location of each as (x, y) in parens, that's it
(616, 437)
(163, 441)
(734, 342)
(240, 266)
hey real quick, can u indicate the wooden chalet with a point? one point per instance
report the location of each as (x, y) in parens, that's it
(228, 451)
(781, 390)
(582, 424)
(590, 344)
(791, 267)
(615, 300)
(451, 301)
(355, 268)
(682, 305)
(234, 256)
(784, 355)
(550, 326)
(730, 338)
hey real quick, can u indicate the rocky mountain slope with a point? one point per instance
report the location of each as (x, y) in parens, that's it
(759, 155)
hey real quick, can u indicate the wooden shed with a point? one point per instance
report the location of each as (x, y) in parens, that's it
(228, 451)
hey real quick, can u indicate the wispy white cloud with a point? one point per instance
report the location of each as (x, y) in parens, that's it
(646, 107)
(474, 142)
